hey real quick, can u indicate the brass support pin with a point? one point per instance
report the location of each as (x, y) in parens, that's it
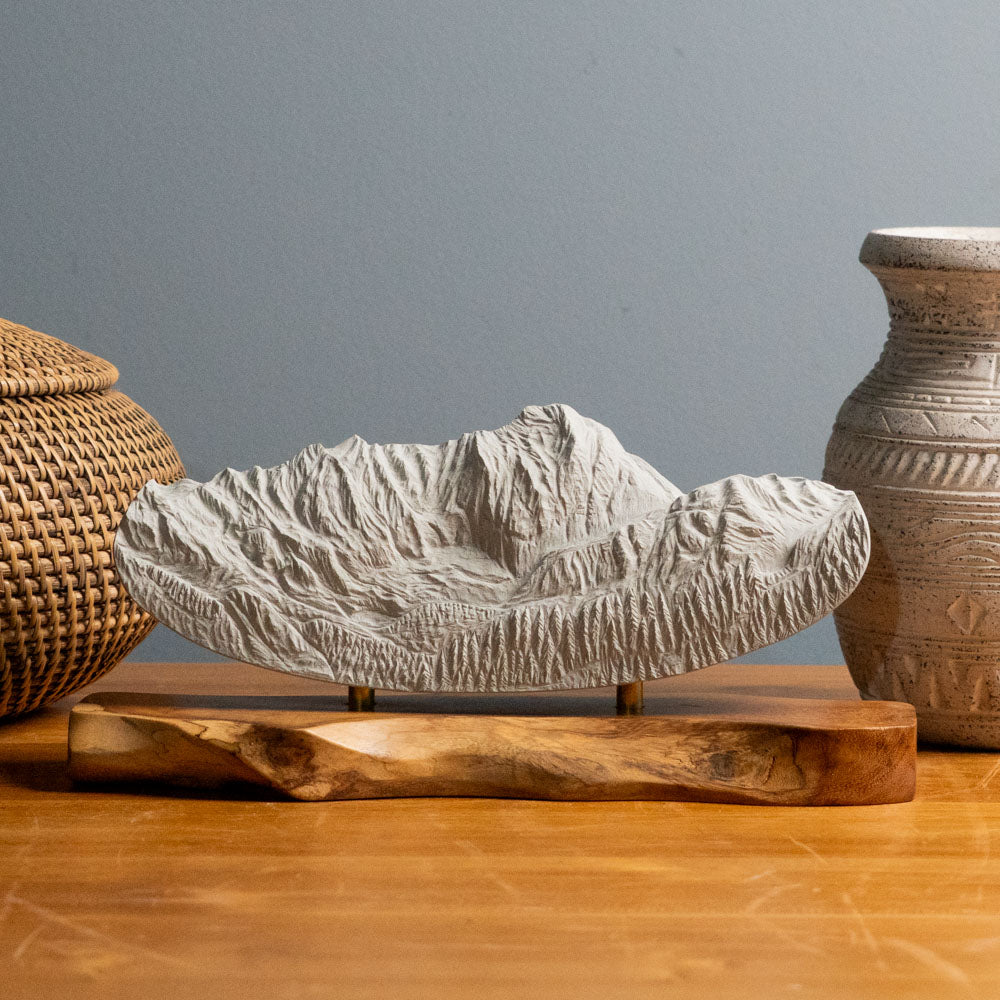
(630, 698)
(360, 699)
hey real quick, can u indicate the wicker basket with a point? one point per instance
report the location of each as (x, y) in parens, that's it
(73, 453)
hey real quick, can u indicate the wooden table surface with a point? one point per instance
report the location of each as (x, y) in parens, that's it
(108, 894)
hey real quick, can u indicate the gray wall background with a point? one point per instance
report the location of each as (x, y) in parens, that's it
(291, 222)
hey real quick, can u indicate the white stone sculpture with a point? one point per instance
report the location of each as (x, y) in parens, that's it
(535, 557)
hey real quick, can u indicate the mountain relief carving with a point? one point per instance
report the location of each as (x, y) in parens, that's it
(537, 556)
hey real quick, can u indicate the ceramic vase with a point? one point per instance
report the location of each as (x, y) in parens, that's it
(919, 442)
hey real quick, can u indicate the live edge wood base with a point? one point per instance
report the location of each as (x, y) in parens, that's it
(707, 747)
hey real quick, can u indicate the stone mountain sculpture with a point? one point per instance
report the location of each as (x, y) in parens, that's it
(535, 557)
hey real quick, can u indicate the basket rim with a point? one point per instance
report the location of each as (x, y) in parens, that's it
(36, 364)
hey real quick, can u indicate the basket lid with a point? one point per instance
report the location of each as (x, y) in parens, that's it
(35, 364)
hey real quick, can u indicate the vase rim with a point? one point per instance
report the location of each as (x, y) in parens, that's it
(944, 248)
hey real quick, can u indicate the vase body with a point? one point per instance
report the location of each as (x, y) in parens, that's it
(73, 454)
(919, 442)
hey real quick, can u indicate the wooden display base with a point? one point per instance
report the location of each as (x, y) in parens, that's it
(702, 747)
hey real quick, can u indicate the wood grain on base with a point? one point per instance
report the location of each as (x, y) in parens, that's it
(722, 748)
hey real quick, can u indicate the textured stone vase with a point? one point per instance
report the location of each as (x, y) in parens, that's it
(919, 442)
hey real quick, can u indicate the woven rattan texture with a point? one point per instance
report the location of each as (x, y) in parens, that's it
(33, 363)
(69, 465)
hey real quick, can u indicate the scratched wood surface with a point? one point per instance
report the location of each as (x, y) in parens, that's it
(108, 894)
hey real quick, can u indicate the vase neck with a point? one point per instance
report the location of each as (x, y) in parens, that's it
(927, 301)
